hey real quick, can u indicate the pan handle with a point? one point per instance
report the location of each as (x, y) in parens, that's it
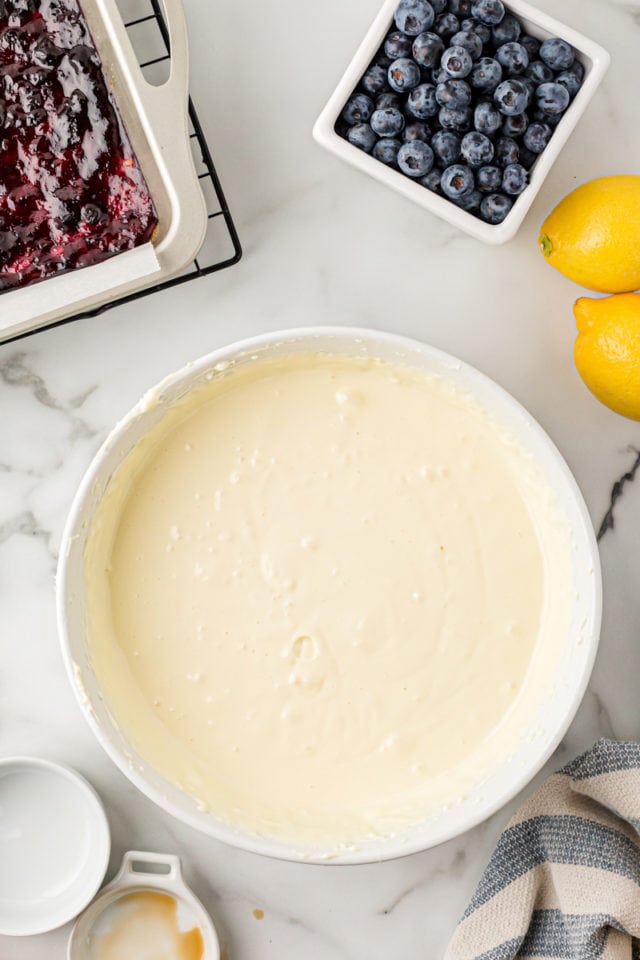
(162, 112)
(173, 93)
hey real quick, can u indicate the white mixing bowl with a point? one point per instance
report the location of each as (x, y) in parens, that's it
(565, 688)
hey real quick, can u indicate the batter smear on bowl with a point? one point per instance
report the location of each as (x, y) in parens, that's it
(71, 189)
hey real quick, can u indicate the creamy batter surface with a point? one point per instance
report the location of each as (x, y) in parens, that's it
(315, 590)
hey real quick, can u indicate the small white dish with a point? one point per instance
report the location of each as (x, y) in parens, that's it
(593, 57)
(54, 845)
(142, 873)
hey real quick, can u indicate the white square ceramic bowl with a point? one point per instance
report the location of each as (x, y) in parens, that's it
(593, 57)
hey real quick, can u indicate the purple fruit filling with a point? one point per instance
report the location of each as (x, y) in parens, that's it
(71, 190)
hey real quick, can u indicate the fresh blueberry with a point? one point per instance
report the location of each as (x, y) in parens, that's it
(557, 53)
(577, 70)
(507, 31)
(439, 75)
(427, 50)
(569, 81)
(455, 118)
(540, 117)
(415, 158)
(374, 80)
(454, 93)
(456, 181)
(359, 107)
(470, 201)
(457, 62)
(514, 179)
(403, 75)
(537, 136)
(513, 57)
(552, 99)
(507, 151)
(495, 207)
(487, 118)
(417, 130)
(439, 6)
(480, 29)
(530, 85)
(92, 214)
(514, 126)
(362, 136)
(486, 74)
(414, 16)
(8, 240)
(446, 147)
(446, 25)
(397, 45)
(469, 41)
(386, 151)
(511, 97)
(432, 181)
(531, 45)
(421, 102)
(527, 158)
(388, 122)
(341, 126)
(489, 178)
(382, 60)
(476, 149)
(539, 72)
(490, 12)
(387, 100)
(461, 8)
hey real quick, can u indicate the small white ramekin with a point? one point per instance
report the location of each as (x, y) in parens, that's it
(54, 845)
(141, 872)
(594, 58)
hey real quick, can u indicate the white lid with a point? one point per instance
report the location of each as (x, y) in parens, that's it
(54, 845)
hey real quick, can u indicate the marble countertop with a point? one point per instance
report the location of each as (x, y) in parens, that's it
(323, 244)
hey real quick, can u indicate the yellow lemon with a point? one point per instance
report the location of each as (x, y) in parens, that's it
(593, 235)
(607, 350)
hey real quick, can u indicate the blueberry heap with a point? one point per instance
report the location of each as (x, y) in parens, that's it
(463, 101)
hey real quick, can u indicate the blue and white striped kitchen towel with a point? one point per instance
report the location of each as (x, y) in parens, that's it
(564, 880)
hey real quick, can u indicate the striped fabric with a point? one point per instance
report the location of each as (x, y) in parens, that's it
(564, 880)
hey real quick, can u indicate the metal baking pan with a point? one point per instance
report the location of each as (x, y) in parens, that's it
(156, 120)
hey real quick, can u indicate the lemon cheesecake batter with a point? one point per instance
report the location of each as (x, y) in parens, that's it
(317, 587)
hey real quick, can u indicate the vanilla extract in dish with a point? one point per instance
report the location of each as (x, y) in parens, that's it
(469, 77)
(72, 192)
(146, 925)
(325, 596)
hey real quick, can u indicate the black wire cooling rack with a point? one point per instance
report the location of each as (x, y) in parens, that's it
(221, 247)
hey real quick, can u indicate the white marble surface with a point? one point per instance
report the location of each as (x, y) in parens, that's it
(322, 244)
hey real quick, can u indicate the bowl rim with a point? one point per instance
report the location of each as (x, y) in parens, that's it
(597, 63)
(415, 840)
(94, 869)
